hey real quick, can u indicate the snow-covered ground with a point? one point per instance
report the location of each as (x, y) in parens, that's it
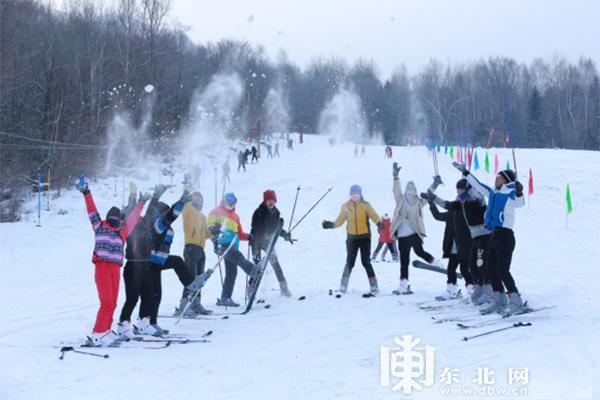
(321, 347)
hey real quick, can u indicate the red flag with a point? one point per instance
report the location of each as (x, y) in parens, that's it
(506, 140)
(530, 182)
(469, 158)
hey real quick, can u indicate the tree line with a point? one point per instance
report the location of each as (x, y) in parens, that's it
(60, 69)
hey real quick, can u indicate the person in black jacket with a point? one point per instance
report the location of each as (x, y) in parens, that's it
(457, 240)
(264, 223)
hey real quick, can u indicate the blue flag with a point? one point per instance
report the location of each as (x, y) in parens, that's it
(476, 162)
(81, 179)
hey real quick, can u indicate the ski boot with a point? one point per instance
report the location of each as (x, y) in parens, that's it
(404, 288)
(499, 304)
(198, 308)
(227, 302)
(102, 339)
(284, 289)
(515, 304)
(476, 292)
(124, 331)
(160, 331)
(374, 288)
(143, 327)
(452, 292)
(486, 297)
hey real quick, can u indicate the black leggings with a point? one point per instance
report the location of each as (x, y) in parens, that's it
(454, 261)
(195, 259)
(502, 245)
(353, 245)
(404, 245)
(390, 247)
(136, 282)
(155, 284)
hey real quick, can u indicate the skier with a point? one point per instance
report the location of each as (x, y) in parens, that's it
(385, 239)
(357, 212)
(224, 224)
(136, 271)
(161, 237)
(355, 151)
(269, 150)
(362, 151)
(241, 161)
(109, 237)
(408, 227)
(264, 223)
(254, 154)
(226, 169)
(506, 195)
(247, 153)
(290, 144)
(457, 238)
(277, 149)
(473, 208)
(195, 232)
(388, 151)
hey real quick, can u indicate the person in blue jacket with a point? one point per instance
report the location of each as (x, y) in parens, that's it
(503, 199)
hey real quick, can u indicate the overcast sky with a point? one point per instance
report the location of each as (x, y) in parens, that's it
(393, 32)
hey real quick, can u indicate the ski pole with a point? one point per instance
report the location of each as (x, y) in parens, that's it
(308, 212)
(294, 208)
(71, 349)
(516, 325)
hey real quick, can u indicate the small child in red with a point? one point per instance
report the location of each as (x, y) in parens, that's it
(385, 237)
(109, 237)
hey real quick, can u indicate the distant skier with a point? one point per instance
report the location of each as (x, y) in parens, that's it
(277, 149)
(241, 161)
(355, 151)
(357, 213)
(269, 150)
(457, 238)
(388, 151)
(196, 173)
(247, 154)
(195, 232)
(408, 226)
(254, 154)
(225, 226)
(363, 151)
(109, 237)
(264, 224)
(226, 170)
(290, 144)
(500, 218)
(385, 239)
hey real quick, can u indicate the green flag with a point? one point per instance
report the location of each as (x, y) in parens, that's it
(569, 203)
(452, 151)
(487, 162)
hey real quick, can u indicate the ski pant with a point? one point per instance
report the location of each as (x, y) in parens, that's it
(135, 276)
(454, 261)
(389, 246)
(226, 178)
(107, 277)
(195, 259)
(233, 259)
(353, 245)
(154, 278)
(257, 248)
(254, 157)
(479, 260)
(502, 245)
(405, 244)
(394, 247)
(241, 165)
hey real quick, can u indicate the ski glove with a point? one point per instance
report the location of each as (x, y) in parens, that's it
(519, 188)
(461, 167)
(84, 189)
(428, 196)
(250, 237)
(328, 225)
(287, 236)
(381, 225)
(144, 197)
(159, 190)
(185, 197)
(215, 230)
(437, 181)
(395, 169)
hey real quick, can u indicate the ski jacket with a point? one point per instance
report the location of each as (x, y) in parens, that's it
(502, 202)
(162, 233)
(231, 227)
(384, 234)
(473, 210)
(357, 215)
(195, 229)
(264, 224)
(109, 241)
(456, 230)
(408, 210)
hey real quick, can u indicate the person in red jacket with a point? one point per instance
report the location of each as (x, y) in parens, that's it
(109, 236)
(385, 238)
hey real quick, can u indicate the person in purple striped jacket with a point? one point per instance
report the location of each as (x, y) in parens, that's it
(109, 236)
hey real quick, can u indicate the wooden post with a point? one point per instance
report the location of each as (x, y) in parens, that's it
(301, 130)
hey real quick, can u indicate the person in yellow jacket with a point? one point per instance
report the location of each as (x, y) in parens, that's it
(356, 213)
(195, 232)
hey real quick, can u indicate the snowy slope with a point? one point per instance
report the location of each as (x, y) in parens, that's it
(322, 347)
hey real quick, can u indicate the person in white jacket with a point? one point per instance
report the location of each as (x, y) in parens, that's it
(408, 227)
(503, 199)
